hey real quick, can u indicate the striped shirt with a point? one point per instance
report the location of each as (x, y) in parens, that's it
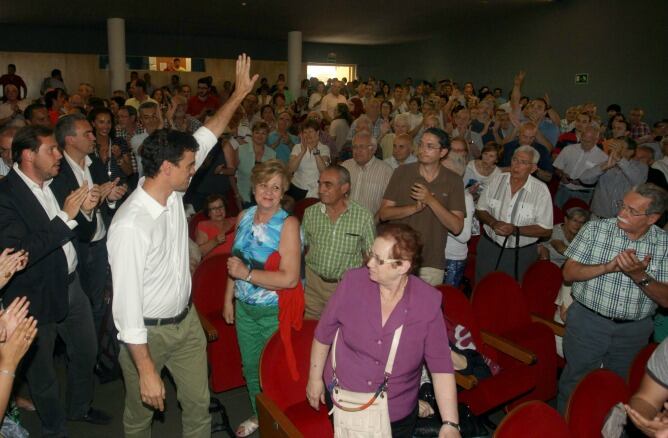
(530, 205)
(335, 247)
(368, 182)
(615, 295)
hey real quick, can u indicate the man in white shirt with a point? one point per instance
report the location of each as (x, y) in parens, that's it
(401, 152)
(329, 102)
(148, 253)
(74, 135)
(516, 210)
(572, 162)
(32, 220)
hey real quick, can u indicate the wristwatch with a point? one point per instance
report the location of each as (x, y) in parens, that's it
(451, 424)
(645, 281)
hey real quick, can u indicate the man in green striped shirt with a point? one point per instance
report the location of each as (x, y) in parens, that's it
(338, 232)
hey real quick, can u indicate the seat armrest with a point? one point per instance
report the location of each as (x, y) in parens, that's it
(508, 347)
(466, 382)
(273, 422)
(557, 328)
(209, 329)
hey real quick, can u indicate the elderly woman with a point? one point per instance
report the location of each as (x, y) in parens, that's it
(12, 107)
(307, 160)
(372, 308)
(215, 235)
(251, 299)
(250, 154)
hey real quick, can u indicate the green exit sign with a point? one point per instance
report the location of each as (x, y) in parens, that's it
(581, 78)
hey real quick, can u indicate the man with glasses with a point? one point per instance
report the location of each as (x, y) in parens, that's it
(203, 100)
(151, 119)
(429, 198)
(619, 272)
(369, 175)
(515, 210)
(614, 177)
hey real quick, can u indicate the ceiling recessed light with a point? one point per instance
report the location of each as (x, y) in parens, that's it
(243, 3)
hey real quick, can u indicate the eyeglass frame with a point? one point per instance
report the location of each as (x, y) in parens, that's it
(632, 211)
(370, 255)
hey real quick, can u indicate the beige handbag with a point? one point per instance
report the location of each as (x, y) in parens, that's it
(363, 414)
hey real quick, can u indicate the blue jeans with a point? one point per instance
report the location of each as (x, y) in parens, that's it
(454, 271)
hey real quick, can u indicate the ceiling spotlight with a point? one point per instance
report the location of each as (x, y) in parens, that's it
(243, 3)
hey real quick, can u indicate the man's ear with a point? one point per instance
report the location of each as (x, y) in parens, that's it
(166, 168)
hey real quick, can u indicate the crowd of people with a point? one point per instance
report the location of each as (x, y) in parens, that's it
(403, 180)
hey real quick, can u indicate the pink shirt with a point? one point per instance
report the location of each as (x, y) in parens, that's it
(364, 344)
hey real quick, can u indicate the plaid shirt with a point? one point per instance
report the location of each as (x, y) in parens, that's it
(640, 130)
(615, 295)
(336, 247)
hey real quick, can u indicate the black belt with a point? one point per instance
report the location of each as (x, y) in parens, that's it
(328, 280)
(615, 320)
(167, 321)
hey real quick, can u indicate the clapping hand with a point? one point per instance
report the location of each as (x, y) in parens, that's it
(11, 262)
(17, 343)
(10, 317)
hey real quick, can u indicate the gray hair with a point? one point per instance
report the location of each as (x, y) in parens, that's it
(535, 156)
(366, 134)
(574, 212)
(657, 195)
(646, 149)
(344, 174)
(66, 127)
(148, 105)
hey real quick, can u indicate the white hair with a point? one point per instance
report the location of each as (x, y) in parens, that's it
(535, 156)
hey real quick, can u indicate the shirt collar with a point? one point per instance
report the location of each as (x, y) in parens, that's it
(29, 182)
(75, 165)
(155, 209)
(527, 184)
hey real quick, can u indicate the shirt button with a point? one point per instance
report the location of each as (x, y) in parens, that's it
(380, 341)
(369, 383)
(377, 363)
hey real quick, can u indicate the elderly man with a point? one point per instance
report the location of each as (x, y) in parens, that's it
(640, 131)
(527, 137)
(619, 272)
(401, 152)
(401, 125)
(337, 231)
(614, 177)
(516, 210)
(331, 99)
(368, 174)
(429, 198)
(573, 161)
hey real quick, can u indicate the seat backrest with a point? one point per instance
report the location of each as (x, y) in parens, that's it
(637, 370)
(302, 205)
(574, 202)
(457, 310)
(275, 377)
(209, 283)
(192, 225)
(557, 215)
(540, 286)
(592, 399)
(498, 304)
(533, 418)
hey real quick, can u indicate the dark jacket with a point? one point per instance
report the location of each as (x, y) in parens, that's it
(25, 225)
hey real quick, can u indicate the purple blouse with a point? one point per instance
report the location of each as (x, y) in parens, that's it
(364, 344)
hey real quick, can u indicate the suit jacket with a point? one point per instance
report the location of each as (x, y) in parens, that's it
(66, 182)
(25, 225)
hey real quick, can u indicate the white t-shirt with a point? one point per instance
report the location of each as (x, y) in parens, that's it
(329, 103)
(456, 247)
(575, 161)
(307, 174)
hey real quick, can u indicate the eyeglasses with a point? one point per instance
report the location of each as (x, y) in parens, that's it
(632, 211)
(217, 208)
(370, 255)
(431, 147)
(359, 147)
(521, 162)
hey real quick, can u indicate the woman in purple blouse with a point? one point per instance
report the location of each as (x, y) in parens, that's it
(369, 304)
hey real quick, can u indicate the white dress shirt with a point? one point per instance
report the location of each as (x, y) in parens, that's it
(81, 175)
(49, 203)
(531, 205)
(148, 253)
(575, 161)
(4, 168)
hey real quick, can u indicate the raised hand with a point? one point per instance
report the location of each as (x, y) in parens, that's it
(91, 200)
(244, 82)
(519, 77)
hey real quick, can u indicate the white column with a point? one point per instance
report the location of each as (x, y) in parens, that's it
(294, 62)
(116, 44)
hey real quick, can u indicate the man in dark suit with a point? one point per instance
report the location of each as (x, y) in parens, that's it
(31, 219)
(74, 135)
